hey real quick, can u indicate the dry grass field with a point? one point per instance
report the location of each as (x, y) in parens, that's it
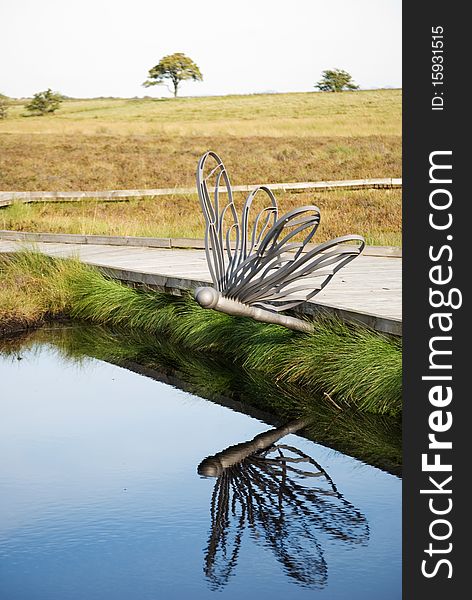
(374, 213)
(104, 144)
(72, 162)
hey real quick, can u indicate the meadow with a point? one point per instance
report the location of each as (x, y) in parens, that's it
(309, 114)
(101, 144)
(127, 144)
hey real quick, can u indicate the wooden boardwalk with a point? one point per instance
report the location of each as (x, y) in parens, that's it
(367, 290)
(7, 198)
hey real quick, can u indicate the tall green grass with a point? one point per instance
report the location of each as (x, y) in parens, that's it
(353, 365)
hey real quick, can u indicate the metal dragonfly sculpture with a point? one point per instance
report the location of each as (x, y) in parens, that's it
(263, 267)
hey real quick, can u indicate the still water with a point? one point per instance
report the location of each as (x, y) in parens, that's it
(101, 498)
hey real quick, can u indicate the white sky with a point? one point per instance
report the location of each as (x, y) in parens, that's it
(92, 48)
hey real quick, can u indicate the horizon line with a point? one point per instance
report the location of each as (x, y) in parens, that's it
(265, 93)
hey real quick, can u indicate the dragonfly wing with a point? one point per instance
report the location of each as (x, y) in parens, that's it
(282, 272)
(222, 231)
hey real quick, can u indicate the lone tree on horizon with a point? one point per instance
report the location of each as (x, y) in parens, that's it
(176, 68)
(336, 80)
(45, 102)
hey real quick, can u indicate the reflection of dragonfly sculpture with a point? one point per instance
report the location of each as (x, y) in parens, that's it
(262, 268)
(285, 499)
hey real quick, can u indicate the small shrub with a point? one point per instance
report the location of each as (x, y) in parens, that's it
(4, 102)
(43, 103)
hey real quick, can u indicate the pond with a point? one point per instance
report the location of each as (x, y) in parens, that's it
(102, 497)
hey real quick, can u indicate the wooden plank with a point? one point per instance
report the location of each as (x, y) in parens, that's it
(367, 290)
(149, 242)
(7, 197)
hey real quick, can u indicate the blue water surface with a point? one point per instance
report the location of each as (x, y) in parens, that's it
(100, 498)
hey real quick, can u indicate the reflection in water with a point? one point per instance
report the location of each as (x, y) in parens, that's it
(287, 502)
(71, 448)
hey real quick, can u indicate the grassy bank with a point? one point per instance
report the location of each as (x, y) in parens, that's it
(352, 365)
(375, 439)
(375, 213)
(32, 290)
